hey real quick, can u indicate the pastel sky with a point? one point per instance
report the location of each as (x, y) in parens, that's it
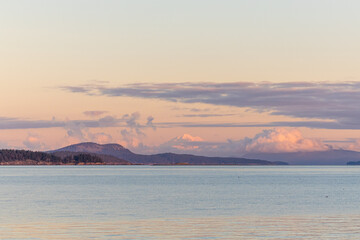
(212, 77)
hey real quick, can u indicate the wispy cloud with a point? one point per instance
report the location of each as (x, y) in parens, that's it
(128, 120)
(312, 124)
(205, 115)
(333, 102)
(94, 113)
(18, 123)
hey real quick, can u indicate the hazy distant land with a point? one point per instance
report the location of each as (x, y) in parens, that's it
(115, 154)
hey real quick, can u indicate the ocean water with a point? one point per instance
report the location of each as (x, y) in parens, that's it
(179, 202)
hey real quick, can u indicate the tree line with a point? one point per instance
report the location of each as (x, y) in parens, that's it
(9, 156)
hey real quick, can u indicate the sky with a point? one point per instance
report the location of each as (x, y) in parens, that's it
(211, 77)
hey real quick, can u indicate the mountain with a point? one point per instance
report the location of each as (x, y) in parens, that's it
(119, 151)
(329, 157)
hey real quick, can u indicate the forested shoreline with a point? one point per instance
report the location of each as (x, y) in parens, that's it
(26, 157)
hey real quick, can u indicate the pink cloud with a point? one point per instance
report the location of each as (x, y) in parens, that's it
(271, 141)
(355, 146)
(33, 142)
(182, 142)
(188, 138)
(282, 140)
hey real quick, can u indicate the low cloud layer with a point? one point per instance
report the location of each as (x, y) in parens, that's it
(34, 142)
(268, 141)
(282, 140)
(185, 142)
(331, 105)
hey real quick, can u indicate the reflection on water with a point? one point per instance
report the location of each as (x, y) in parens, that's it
(249, 227)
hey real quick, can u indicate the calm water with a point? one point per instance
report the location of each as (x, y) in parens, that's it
(182, 202)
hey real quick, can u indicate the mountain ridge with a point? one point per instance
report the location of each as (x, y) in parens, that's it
(119, 151)
(327, 157)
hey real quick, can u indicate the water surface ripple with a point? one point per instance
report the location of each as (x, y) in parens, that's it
(180, 202)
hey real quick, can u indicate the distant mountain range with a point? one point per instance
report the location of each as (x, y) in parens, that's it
(329, 157)
(119, 153)
(115, 154)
